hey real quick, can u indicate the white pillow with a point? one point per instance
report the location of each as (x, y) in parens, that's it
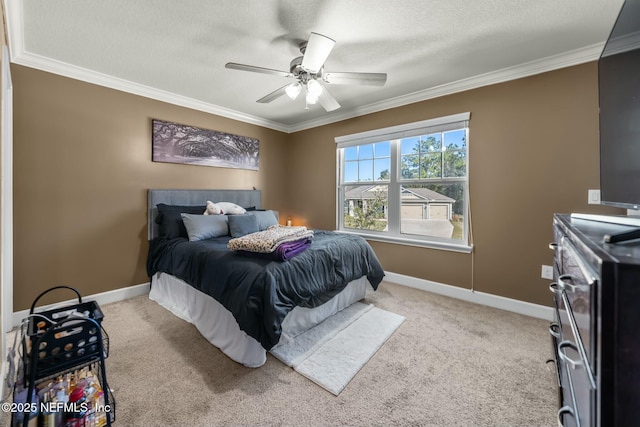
(229, 208)
(212, 209)
(223, 208)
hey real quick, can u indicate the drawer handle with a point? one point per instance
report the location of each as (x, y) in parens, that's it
(554, 330)
(553, 246)
(565, 410)
(565, 282)
(573, 363)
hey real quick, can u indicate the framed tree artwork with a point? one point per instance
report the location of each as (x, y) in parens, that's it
(176, 143)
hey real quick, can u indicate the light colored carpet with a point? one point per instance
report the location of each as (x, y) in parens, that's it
(332, 353)
(451, 363)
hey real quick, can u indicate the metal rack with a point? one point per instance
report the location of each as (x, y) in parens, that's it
(63, 340)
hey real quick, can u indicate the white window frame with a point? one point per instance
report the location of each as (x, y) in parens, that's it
(395, 134)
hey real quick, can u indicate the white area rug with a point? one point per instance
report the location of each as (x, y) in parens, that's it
(331, 353)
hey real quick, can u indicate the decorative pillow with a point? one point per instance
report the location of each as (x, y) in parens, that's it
(212, 209)
(225, 208)
(240, 225)
(229, 208)
(265, 219)
(200, 227)
(169, 221)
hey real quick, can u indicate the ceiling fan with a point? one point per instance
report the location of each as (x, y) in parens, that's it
(308, 71)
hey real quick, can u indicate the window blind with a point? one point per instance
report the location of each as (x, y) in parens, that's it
(425, 127)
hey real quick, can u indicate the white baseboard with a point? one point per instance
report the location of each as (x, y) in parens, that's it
(101, 298)
(495, 301)
(508, 304)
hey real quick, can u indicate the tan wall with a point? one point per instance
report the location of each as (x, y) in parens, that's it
(533, 149)
(82, 162)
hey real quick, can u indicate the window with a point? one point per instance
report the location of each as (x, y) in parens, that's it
(407, 184)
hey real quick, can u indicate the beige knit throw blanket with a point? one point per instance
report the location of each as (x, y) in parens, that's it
(268, 240)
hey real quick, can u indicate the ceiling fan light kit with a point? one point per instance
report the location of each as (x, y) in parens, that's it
(313, 91)
(293, 90)
(308, 70)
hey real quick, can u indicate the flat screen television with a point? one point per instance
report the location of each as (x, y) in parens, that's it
(619, 97)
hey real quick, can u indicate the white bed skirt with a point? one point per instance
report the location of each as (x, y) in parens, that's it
(219, 327)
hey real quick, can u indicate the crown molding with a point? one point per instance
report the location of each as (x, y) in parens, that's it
(93, 77)
(19, 55)
(567, 59)
(22, 57)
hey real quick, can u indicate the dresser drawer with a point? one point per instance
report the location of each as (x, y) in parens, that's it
(576, 382)
(576, 390)
(575, 298)
(578, 286)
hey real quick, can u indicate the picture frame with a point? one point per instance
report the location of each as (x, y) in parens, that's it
(191, 145)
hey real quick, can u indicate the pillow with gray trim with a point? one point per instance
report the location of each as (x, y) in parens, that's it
(240, 225)
(265, 219)
(201, 227)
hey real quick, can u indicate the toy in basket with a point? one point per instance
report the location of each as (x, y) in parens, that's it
(63, 337)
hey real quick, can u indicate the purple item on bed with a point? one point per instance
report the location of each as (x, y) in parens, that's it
(288, 250)
(284, 252)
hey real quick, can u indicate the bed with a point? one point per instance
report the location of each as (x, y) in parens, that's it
(244, 304)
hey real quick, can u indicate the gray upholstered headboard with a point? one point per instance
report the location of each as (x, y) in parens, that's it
(244, 198)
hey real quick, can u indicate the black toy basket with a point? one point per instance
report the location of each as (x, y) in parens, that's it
(63, 337)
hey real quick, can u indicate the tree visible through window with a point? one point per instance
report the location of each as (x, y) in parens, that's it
(408, 184)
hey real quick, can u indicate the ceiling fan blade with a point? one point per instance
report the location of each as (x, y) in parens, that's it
(327, 100)
(316, 53)
(370, 79)
(254, 69)
(273, 95)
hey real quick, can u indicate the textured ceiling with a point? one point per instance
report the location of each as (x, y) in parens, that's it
(176, 50)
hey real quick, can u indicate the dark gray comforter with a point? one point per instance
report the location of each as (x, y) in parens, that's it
(260, 292)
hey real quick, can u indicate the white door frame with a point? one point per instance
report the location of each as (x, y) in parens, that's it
(6, 200)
